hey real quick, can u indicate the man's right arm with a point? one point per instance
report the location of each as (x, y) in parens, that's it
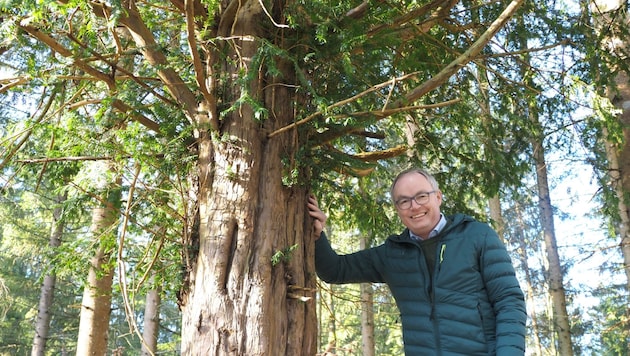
(356, 267)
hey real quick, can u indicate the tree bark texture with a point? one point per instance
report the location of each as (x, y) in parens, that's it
(251, 288)
(97, 294)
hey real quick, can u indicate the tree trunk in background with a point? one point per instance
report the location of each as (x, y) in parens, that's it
(411, 128)
(529, 281)
(609, 18)
(617, 180)
(619, 164)
(241, 299)
(42, 324)
(494, 205)
(331, 325)
(151, 328)
(97, 294)
(367, 314)
(556, 286)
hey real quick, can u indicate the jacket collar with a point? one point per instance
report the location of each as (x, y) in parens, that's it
(450, 222)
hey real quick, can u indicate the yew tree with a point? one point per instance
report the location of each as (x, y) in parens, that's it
(250, 101)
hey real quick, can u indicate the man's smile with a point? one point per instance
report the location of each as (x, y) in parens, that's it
(419, 215)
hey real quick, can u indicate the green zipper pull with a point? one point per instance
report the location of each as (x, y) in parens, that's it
(442, 252)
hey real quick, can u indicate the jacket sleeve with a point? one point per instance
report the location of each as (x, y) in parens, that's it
(506, 296)
(359, 267)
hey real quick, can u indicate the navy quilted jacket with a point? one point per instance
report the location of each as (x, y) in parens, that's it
(474, 304)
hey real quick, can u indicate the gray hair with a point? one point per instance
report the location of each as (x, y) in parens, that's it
(422, 172)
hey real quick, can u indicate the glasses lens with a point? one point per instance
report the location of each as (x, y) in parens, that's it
(404, 204)
(421, 198)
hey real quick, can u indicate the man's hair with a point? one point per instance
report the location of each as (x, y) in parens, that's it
(422, 172)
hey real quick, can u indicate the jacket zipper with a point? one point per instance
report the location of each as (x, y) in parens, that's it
(438, 261)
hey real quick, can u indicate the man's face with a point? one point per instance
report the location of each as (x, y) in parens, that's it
(418, 218)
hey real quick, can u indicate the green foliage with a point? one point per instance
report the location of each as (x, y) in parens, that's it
(612, 312)
(283, 256)
(23, 251)
(340, 314)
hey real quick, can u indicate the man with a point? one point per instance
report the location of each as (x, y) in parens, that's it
(451, 276)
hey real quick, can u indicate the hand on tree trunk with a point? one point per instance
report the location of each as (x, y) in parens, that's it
(319, 218)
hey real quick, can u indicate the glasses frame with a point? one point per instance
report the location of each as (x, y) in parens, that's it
(421, 198)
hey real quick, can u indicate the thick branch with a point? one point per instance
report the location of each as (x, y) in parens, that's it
(192, 44)
(359, 11)
(151, 51)
(379, 155)
(367, 157)
(141, 119)
(6, 84)
(75, 159)
(439, 9)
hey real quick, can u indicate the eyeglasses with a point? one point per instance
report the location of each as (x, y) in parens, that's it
(420, 199)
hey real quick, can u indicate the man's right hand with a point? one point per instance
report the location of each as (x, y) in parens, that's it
(319, 218)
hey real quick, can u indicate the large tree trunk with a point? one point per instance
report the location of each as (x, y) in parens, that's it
(251, 287)
(42, 324)
(556, 286)
(97, 294)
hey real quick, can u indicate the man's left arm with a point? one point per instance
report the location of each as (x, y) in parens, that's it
(506, 297)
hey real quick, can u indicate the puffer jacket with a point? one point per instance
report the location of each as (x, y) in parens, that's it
(472, 306)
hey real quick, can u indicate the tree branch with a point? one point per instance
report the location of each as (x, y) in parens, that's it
(122, 70)
(59, 48)
(441, 9)
(379, 155)
(75, 159)
(429, 85)
(149, 48)
(6, 84)
(340, 103)
(189, 11)
(17, 147)
(84, 66)
(466, 57)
